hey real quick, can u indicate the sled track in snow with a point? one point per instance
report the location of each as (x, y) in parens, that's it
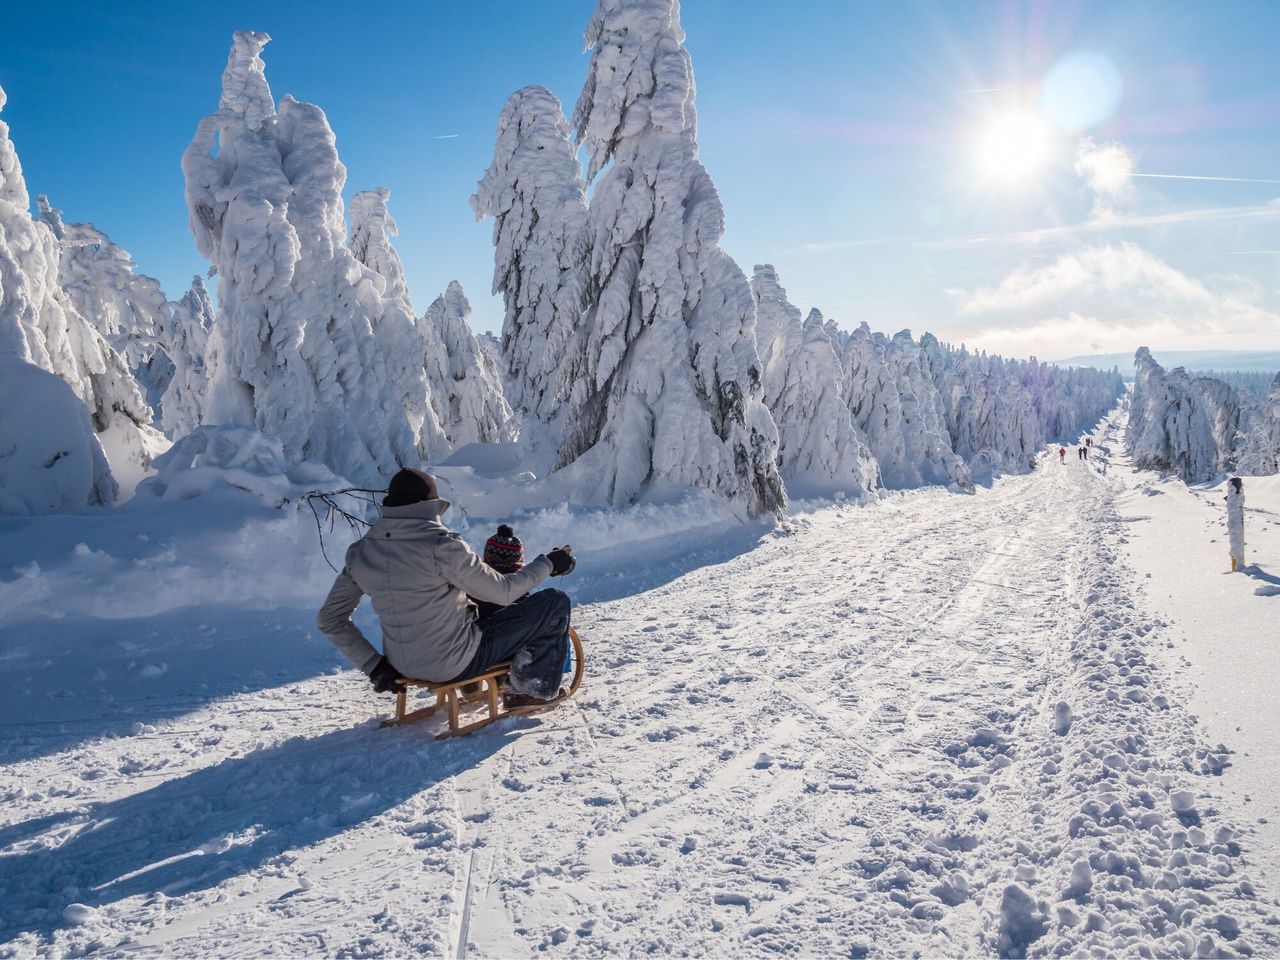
(841, 742)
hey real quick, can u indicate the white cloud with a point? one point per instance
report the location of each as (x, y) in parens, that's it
(1107, 169)
(1115, 296)
(1106, 272)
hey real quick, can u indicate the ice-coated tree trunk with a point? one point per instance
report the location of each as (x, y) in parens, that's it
(464, 385)
(391, 313)
(535, 194)
(296, 350)
(819, 449)
(670, 357)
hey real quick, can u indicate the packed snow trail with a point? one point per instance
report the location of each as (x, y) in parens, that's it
(928, 726)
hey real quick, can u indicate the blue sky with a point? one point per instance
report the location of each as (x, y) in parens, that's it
(905, 164)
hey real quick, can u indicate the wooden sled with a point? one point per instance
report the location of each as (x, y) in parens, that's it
(450, 697)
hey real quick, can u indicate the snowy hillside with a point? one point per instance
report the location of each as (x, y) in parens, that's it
(872, 667)
(936, 724)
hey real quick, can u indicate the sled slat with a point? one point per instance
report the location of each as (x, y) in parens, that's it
(449, 696)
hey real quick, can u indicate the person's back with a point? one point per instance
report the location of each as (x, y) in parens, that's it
(418, 574)
(410, 565)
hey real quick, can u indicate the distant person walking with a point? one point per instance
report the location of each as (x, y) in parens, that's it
(1062, 454)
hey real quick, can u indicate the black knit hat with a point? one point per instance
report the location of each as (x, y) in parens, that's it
(410, 486)
(504, 551)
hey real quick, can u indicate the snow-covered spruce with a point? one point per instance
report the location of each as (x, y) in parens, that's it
(40, 325)
(372, 228)
(185, 340)
(670, 336)
(465, 386)
(1261, 445)
(296, 350)
(819, 448)
(991, 421)
(898, 409)
(1180, 423)
(535, 193)
(127, 307)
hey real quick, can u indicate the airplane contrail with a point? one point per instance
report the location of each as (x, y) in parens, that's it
(1183, 176)
(445, 136)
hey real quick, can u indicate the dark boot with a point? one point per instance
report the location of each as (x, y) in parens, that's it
(512, 700)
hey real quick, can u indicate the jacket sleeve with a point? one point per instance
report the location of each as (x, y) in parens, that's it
(334, 621)
(470, 574)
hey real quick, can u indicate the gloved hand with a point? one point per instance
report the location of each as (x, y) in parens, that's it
(383, 676)
(562, 561)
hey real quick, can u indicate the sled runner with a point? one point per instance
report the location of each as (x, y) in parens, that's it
(450, 697)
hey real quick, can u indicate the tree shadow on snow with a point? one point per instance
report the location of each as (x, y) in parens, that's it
(636, 567)
(73, 680)
(193, 832)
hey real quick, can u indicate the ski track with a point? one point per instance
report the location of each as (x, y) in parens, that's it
(840, 743)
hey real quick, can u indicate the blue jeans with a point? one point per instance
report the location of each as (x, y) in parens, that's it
(531, 634)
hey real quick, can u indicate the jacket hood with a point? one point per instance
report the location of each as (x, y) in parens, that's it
(411, 521)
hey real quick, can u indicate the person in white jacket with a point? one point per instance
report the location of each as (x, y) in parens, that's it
(1235, 521)
(418, 574)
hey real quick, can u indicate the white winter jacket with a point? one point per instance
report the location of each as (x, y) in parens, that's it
(418, 573)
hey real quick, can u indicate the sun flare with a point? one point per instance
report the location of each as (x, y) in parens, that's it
(1013, 147)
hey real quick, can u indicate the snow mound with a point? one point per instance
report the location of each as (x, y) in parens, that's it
(50, 458)
(216, 457)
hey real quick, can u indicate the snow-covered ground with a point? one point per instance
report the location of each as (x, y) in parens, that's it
(940, 724)
(1224, 628)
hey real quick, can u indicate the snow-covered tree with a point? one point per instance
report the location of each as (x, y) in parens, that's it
(372, 228)
(184, 336)
(670, 356)
(1261, 444)
(819, 449)
(1180, 423)
(40, 325)
(297, 350)
(535, 193)
(394, 325)
(899, 411)
(464, 384)
(127, 307)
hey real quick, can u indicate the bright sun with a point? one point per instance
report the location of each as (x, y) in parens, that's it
(1013, 147)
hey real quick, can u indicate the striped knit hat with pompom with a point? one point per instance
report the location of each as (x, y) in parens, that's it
(504, 551)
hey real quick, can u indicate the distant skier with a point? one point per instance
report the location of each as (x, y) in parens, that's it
(418, 574)
(1235, 521)
(1062, 454)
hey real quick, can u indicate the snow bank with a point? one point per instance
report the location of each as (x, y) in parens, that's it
(50, 458)
(241, 458)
